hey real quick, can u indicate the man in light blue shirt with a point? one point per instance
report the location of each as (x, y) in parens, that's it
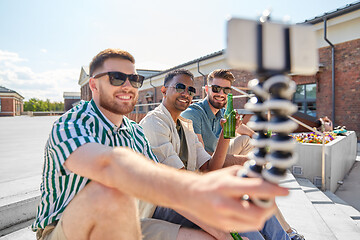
(207, 113)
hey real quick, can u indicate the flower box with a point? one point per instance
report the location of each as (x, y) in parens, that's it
(340, 155)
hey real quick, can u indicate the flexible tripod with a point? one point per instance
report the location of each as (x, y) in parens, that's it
(271, 50)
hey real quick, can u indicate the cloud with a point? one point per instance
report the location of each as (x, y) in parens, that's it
(6, 56)
(43, 50)
(43, 85)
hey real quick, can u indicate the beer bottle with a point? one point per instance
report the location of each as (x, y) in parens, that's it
(236, 236)
(230, 116)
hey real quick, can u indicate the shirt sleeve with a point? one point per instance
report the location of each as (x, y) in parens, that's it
(71, 131)
(159, 136)
(147, 151)
(195, 117)
(202, 155)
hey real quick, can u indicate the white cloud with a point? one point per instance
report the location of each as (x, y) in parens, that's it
(42, 85)
(6, 56)
(43, 50)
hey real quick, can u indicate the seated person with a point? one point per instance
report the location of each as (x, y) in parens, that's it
(206, 115)
(174, 142)
(324, 124)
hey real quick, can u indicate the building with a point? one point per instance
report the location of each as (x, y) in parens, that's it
(84, 83)
(333, 91)
(71, 99)
(11, 102)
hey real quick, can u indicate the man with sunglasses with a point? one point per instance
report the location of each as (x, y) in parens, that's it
(206, 115)
(97, 162)
(175, 144)
(171, 135)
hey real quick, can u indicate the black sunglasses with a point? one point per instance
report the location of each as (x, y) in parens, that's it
(180, 88)
(119, 78)
(217, 89)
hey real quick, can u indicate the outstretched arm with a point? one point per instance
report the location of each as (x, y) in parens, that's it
(218, 158)
(214, 198)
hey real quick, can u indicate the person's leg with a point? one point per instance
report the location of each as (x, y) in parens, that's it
(190, 230)
(282, 221)
(170, 215)
(155, 229)
(187, 233)
(99, 212)
(273, 230)
(252, 235)
(240, 145)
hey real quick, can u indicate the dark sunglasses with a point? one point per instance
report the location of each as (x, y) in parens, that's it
(217, 89)
(180, 88)
(119, 78)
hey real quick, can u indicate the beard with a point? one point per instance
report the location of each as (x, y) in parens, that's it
(216, 105)
(108, 102)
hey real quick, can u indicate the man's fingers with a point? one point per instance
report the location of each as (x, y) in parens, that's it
(243, 216)
(256, 187)
(262, 188)
(222, 122)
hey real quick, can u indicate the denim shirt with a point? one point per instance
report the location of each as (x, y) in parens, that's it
(205, 122)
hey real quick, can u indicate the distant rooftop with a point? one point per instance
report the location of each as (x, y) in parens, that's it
(335, 13)
(72, 95)
(6, 90)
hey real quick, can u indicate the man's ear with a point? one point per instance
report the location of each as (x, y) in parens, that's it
(206, 89)
(163, 90)
(92, 84)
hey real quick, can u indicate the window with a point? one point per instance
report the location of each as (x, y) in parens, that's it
(305, 98)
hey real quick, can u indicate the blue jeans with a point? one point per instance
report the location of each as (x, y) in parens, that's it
(272, 229)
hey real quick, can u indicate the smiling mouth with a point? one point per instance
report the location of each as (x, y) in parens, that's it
(218, 98)
(183, 100)
(126, 98)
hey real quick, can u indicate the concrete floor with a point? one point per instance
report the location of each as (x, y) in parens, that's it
(22, 142)
(350, 190)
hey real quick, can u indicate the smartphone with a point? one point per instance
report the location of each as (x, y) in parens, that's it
(275, 46)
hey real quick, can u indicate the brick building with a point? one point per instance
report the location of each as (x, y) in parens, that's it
(333, 91)
(71, 99)
(11, 103)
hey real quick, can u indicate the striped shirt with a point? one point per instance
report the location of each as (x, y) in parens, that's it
(80, 125)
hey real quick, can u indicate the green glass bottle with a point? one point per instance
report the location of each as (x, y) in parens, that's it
(236, 236)
(230, 116)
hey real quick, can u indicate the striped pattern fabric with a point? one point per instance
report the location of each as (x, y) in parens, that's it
(80, 125)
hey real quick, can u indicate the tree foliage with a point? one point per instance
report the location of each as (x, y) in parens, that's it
(37, 105)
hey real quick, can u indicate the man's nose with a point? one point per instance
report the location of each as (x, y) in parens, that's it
(127, 83)
(185, 92)
(222, 91)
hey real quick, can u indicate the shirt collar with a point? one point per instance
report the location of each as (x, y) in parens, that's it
(206, 107)
(108, 125)
(162, 108)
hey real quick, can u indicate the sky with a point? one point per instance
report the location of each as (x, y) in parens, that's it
(44, 43)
